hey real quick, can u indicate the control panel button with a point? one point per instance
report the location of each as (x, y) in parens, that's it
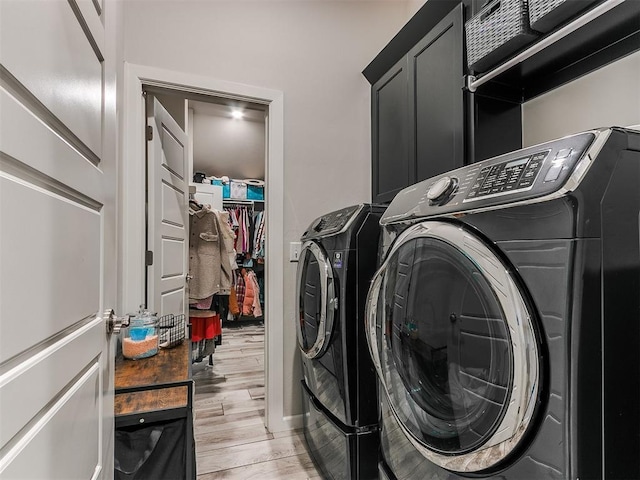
(441, 188)
(320, 225)
(564, 153)
(531, 171)
(526, 182)
(553, 173)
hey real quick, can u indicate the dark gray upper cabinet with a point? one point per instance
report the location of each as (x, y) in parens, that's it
(418, 112)
(436, 74)
(431, 115)
(391, 168)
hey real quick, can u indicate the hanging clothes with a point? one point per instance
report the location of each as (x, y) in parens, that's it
(246, 295)
(240, 291)
(204, 325)
(204, 254)
(259, 236)
(249, 295)
(243, 233)
(256, 308)
(240, 219)
(233, 302)
(228, 253)
(251, 302)
(202, 349)
(240, 231)
(229, 238)
(210, 253)
(204, 304)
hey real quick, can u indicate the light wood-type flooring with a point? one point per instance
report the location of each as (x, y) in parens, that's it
(231, 439)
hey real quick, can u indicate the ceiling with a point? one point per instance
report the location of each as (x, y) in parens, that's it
(223, 145)
(224, 106)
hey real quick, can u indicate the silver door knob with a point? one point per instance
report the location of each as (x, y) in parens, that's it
(114, 323)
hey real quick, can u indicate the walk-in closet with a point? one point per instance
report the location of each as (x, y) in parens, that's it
(227, 145)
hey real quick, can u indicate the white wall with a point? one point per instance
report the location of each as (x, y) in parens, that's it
(313, 51)
(609, 96)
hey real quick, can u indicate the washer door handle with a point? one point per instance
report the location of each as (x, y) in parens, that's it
(333, 303)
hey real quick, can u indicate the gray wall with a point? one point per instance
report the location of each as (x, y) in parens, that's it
(609, 96)
(314, 52)
(225, 146)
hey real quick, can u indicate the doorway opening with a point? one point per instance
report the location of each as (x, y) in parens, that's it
(131, 269)
(225, 156)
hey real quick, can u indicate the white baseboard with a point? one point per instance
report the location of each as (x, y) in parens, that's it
(293, 422)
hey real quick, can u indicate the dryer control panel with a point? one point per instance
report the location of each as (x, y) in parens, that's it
(331, 223)
(517, 176)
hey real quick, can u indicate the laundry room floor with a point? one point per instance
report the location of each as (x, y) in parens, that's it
(231, 439)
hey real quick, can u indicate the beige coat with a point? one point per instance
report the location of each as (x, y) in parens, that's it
(210, 254)
(228, 253)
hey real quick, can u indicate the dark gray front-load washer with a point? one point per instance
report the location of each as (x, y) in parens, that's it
(504, 322)
(339, 257)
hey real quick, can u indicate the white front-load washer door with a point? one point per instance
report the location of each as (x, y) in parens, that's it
(454, 346)
(316, 300)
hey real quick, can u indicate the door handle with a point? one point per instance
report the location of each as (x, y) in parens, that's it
(114, 323)
(333, 303)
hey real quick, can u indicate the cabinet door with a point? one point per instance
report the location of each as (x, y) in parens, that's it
(391, 169)
(436, 71)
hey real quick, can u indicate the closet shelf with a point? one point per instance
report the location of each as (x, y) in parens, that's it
(607, 32)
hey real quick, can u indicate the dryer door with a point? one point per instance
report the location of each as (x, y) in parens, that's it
(454, 346)
(316, 301)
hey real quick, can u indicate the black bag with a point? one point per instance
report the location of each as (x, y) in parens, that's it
(154, 451)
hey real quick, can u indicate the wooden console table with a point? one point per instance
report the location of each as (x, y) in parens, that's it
(157, 389)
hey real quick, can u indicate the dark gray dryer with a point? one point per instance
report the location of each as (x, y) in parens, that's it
(338, 259)
(504, 321)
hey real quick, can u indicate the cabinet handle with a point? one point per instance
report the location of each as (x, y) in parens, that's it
(488, 13)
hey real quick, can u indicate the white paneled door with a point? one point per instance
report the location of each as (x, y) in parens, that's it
(57, 239)
(167, 217)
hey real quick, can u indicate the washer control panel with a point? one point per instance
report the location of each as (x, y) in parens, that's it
(506, 177)
(520, 175)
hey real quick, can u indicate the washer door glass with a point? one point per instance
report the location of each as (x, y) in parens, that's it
(315, 302)
(448, 344)
(440, 329)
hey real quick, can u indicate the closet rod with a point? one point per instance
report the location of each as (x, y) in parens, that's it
(237, 202)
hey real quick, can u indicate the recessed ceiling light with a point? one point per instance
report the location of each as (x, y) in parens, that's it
(237, 114)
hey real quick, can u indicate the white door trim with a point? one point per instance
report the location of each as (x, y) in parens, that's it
(132, 218)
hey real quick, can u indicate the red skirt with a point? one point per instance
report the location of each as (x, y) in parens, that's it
(203, 328)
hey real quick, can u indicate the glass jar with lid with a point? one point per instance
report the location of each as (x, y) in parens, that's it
(140, 338)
